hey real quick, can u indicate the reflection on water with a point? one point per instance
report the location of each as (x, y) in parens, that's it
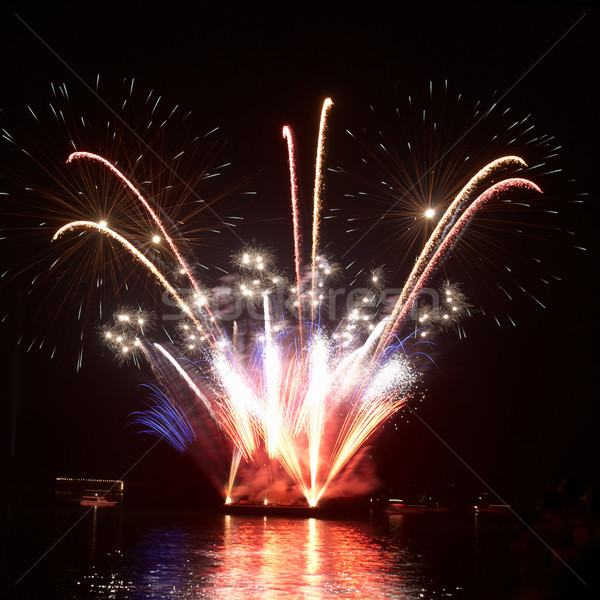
(122, 553)
(311, 558)
(233, 556)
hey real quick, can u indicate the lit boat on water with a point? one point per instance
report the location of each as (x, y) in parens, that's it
(485, 504)
(89, 491)
(97, 501)
(399, 507)
(496, 509)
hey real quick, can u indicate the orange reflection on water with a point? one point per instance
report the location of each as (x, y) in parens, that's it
(272, 557)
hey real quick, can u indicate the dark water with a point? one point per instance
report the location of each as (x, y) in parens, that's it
(66, 551)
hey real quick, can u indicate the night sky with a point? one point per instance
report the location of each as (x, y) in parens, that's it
(517, 404)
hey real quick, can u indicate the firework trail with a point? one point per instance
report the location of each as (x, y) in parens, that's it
(287, 408)
(445, 243)
(448, 219)
(287, 134)
(103, 228)
(182, 263)
(317, 199)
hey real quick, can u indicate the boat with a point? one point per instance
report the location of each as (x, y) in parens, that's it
(97, 501)
(74, 489)
(400, 508)
(396, 506)
(487, 504)
(497, 509)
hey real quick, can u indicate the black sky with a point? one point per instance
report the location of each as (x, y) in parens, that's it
(517, 404)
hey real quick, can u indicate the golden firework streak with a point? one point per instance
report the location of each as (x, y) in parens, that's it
(403, 305)
(287, 134)
(95, 157)
(104, 229)
(327, 104)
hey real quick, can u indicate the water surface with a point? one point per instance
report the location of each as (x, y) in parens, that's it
(125, 553)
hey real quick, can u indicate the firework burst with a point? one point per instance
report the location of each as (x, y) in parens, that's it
(273, 402)
(175, 172)
(413, 160)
